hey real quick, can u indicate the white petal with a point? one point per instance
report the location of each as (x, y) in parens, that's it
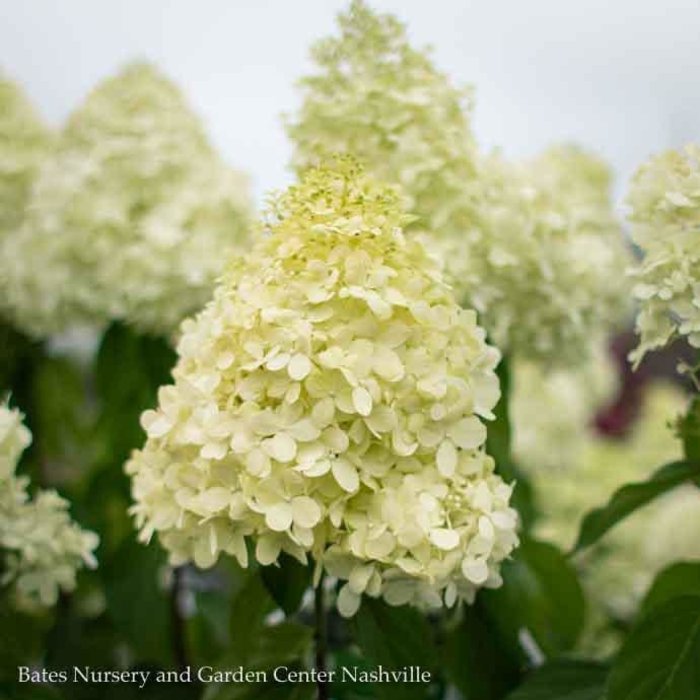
(475, 570)
(348, 602)
(447, 458)
(305, 511)
(155, 424)
(443, 538)
(267, 550)
(362, 401)
(278, 362)
(387, 364)
(281, 447)
(468, 433)
(299, 367)
(279, 517)
(346, 475)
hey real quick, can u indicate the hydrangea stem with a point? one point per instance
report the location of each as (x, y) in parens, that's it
(321, 639)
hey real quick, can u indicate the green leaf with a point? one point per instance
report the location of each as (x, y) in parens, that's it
(279, 644)
(676, 580)
(129, 369)
(21, 637)
(287, 582)
(249, 608)
(541, 594)
(137, 602)
(285, 644)
(498, 445)
(630, 497)
(208, 628)
(661, 658)
(395, 637)
(18, 353)
(477, 660)
(689, 431)
(564, 680)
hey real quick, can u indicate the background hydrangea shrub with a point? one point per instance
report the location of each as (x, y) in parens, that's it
(330, 401)
(533, 247)
(24, 143)
(131, 217)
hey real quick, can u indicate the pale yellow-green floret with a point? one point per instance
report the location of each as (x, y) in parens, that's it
(41, 548)
(664, 201)
(132, 216)
(534, 247)
(330, 401)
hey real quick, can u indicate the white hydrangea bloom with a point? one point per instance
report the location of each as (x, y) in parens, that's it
(14, 439)
(24, 143)
(618, 571)
(546, 270)
(534, 249)
(664, 199)
(329, 401)
(552, 411)
(132, 216)
(40, 546)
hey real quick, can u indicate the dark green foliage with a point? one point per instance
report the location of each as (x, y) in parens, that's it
(542, 595)
(287, 582)
(564, 680)
(661, 658)
(632, 496)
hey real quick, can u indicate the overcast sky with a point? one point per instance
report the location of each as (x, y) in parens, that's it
(618, 76)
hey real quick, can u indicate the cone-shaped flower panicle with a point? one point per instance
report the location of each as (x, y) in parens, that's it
(547, 271)
(376, 97)
(534, 249)
(24, 143)
(664, 201)
(41, 548)
(130, 218)
(330, 401)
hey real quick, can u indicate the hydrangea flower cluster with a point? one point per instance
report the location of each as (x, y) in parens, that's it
(130, 218)
(546, 271)
(24, 143)
(552, 410)
(664, 199)
(329, 401)
(376, 97)
(617, 572)
(534, 249)
(41, 547)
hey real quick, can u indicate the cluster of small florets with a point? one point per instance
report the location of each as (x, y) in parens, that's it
(534, 249)
(546, 270)
(130, 219)
(379, 99)
(24, 142)
(329, 401)
(664, 199)
(41, 547)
